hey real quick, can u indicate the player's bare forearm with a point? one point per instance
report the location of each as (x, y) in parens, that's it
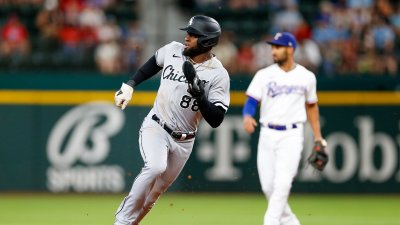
(313, 118)
(249, 123)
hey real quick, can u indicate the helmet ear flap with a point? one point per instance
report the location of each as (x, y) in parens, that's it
(207, 42)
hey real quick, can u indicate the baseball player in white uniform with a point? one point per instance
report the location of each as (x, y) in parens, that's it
(167, 134)
(286, 92)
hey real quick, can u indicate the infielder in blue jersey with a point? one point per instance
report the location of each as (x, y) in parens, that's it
(194, 85)
(286, 92)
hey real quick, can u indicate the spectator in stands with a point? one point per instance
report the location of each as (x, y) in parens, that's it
(376, 60)
(48, 22)
(359, 17)
(70, 37)
(109, 30)
(384, 42)
(108, 52)
(395, 20)
(91, 19)
(349, 52)
(288, 19)
(382, 33)
(92, 16)
(71, 10)
(245, 58)
(14, 38)
(384, 8)
(70, 32)
(367, 63)
(134, 37)
(226, 51)
(330, 33)
(307, 52)
(325, 11)
(389, 60)
(108, 57)
(324, 34)
(89, 39)
(262, 52)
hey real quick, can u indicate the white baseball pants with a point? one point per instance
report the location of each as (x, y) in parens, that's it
(278, 158)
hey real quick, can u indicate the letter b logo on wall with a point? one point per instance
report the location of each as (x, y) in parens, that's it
(82, 135)
(85, 133)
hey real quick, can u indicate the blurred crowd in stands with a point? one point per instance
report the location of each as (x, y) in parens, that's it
(335, 37)
(71, 33)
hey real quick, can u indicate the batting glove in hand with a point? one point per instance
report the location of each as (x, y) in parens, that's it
(318, 158)
(123, 96)
(195, 85)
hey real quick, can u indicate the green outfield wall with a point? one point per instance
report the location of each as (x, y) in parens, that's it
(62, 133)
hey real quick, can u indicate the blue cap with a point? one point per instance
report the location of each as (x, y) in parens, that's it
(283, 39)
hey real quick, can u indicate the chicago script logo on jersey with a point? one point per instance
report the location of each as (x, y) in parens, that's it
(274, 89)
(170, 73)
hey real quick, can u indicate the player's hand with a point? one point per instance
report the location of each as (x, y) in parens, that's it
(196, 89)
(249, 124)
(195, 85)
(123, 96)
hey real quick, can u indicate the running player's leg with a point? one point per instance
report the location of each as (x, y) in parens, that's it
(288, 154)
(177, 157)
(266, 162)
(288, 217)
(154, 154)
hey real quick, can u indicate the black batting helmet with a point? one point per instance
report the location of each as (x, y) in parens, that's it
(206, 27)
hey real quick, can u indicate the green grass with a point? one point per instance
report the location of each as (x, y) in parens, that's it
(198, 209)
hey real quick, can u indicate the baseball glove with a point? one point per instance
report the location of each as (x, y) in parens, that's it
(195, 86)
(318, 158)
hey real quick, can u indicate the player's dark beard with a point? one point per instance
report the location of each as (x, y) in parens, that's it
(195, 51)
(282, 60)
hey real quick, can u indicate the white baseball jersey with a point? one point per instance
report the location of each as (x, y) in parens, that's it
(173, 104)
(283, 94)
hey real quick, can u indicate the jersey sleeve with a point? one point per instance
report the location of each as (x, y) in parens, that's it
(311, 95)
(255, 88)
(219, 93)
(161, 53)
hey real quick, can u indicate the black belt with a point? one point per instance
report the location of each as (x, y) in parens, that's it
(282, 127)
(179, 135)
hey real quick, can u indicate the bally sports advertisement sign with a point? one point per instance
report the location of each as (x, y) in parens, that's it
(78, 141)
